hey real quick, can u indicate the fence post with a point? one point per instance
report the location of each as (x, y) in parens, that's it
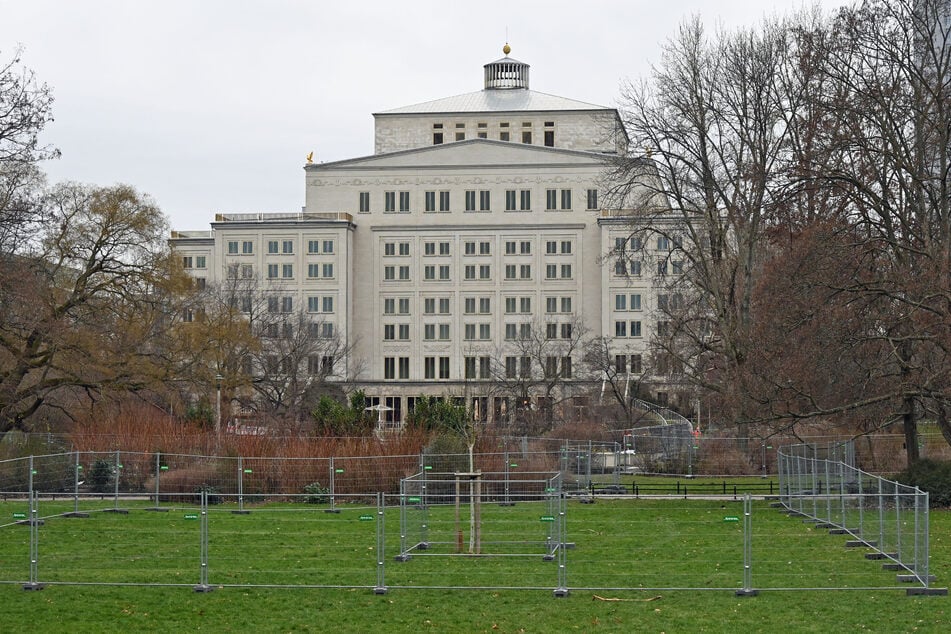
(333, 487)
(34, 520)
(561, 590)
(77, 471)
(380, 587)
(203, 545)
(747, 590)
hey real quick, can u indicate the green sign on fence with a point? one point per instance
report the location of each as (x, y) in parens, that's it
(412, 499)
(338, 470)
(366, 518)
(547, 518)
(428, 468)
(513, 465)
(164, 467)
(731, 518)
(191, 516)
(247, 471)
(19, 516)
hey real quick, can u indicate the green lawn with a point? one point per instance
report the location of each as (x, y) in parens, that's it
(617, 544)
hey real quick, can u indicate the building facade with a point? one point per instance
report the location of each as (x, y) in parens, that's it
(476, 226)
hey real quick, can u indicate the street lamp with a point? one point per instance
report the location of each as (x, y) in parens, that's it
(218, 380)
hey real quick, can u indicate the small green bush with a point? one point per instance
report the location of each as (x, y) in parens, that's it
(100, 477)
(317, 494)
(933, 476)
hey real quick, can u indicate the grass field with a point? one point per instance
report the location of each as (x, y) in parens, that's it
(618, 544)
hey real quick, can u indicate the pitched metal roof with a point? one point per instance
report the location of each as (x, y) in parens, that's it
(495, 101)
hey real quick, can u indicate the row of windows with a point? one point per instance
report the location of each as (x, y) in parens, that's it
(319, 330)
(277, 247)
(479, 247)
(275, 365)
(477, 331)
(634, 243)
(315, 270)
(199, 262)
(475, 305)
(477, 367)
(633, 268)
(621, 328)
(505, 134)
(474, 200)
(472, 272)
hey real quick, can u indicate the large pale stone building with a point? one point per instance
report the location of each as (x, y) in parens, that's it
(477, 218)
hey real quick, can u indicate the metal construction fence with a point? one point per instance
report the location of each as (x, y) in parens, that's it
(821, 484)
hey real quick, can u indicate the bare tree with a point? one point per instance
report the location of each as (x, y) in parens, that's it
(537, 370)
(25, 109)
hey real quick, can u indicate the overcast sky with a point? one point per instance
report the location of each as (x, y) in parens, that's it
(212, 106)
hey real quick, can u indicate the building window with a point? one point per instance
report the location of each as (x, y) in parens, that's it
(635, 329)
(327, 305)
(443, 272)
(460, 136)
(404, 273)
(636, 364)
(200, 262)
(403, 332)
(566, 247)
(566, 199)
(504, 135)
(551, 247)
(551, 331)
(470, 200)
(389, 201)
(364, 202)
(443, 305)
(313, 246)
(232, 247)
(326, 330)
(469, 305)
(389, 248)
(620, 302)
(511, 365)
(389, 368)
(525, 305)
(551, 199)
(469, 272)
(429, 248)
(620, 329)
(389, 306)
(511, 332)
(327, 270)
(526, 136)
(187, 262)
(429, 367)
(525, 247)
(469, 332)
(404, 201)
(404, 305)
(389, 332)
(429, 306)
(287, 271)
(592, 199)
(510, 270)
(429, 332)
(389, 272)
(429, 272)
(525, 200)
(272, 271)
(485, 305)
(485, 272)
(551, 304)
(485, 248)
(484, 200)
(287, 247)
(469, 248)
(429, 201)
(549, 138)
(566, 304)
(437, 138)
(444, 332)
(469, 366)
(404, 248)
(525, 367)
(663, 243)
(443, 367)
(272, 247)
(444, 201)
(509, 200)
(247, 247)
(525, 271)
(566, 271)
(551, 271)
(510, 247)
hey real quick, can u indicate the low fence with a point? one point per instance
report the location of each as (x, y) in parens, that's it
(821, 484)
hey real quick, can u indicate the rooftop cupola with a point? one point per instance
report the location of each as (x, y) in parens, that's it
(506, 73)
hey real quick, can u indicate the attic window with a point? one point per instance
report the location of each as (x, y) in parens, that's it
(437, 126)
(460, 125)
(549, 124)
(504, 124)
(483, 125)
